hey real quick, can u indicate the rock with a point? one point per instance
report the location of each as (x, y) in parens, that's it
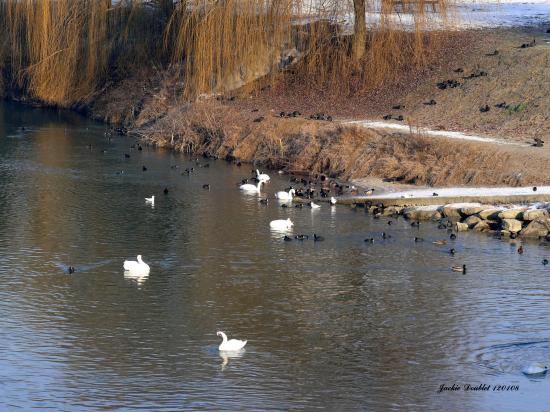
(422, 213)
(461, 227)
(489, 214)
(482, 226)
(452, 212)
(536, 228)
(511, 213)
(471, 221)
(532, 214)
(511, 225)
(471, 210)
(505, 233)
(392, 210)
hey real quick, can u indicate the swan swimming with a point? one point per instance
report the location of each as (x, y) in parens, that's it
(247, 187)
(230, 345)
(150, 200)
(536, 368)
(136, 268)
(281, 224)
(262, 177)
(285, 195)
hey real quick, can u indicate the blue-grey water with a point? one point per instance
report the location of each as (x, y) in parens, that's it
(336, 325)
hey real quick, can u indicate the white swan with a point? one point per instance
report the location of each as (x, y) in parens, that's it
(535, 369)
(251, 188)
(262, 177)
(285, 195)
(314, 205)
(333, 200)
(230, 345)
(281, 224)
(150, 200)
(136, 268)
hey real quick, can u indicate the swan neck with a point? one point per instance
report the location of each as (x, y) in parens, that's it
(224, 337)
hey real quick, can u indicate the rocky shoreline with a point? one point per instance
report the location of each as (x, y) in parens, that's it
(512, 221)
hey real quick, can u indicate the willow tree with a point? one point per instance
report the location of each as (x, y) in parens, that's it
(360, 30)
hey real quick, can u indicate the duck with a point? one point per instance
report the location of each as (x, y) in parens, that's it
(287, 238)
(535, 368)
(144, 168)
(264, 201)
(415, 224)
(282, 195)
(418, 239)
(317, 238)
(150, 200)
(459, 269)
(439, 242)
(545, 261)
(281, 224)
(262, 176)
(452, 251)
(452, 236)
(369, 240)
(206, 186)
(230, 345)
(165, 190)
(247, 187)
(71, 270)
(139, 267)
(314, 205)
(520, 250)
(301, 237)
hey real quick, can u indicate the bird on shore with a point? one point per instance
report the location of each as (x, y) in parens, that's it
(461, 269)
(137, 268)
(534, 188)
(230, 345)
(150, 200)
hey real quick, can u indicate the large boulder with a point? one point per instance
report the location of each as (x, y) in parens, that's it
(533, 214)
(392, 210)
(461, 227)
(422, 213)
(511, 213)
(471, 210)
(511, 225)
(482, 226)
(471, 221)
(537, 228)
(489, 214)
(452, 212)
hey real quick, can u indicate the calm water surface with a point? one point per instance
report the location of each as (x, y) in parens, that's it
(336, 324)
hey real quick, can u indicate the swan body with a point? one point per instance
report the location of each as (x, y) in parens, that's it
(230, 345)
(314, 205)
(285, 195)
(262, 177)
(281, 224)
(535, 369)
(247, 187)
(137, 268)
(150, 200)
(332, 200)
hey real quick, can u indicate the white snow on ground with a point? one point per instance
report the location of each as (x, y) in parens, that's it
(465, 191)
(370, 124)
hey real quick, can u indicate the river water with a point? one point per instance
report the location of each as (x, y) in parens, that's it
(337, 324)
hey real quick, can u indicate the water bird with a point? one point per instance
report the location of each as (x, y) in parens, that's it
(534, 188)
(206, 186)
(281, 224)
(287, 238)
(282, 195)
(314, 205)
(262, 176)
(415, 224)
(150, 200)
(301, 237)
(544, 261)
(140, 148)
(333, 200)
(126, 155)
(459, 269)
(165, 190)
(137, 268)
(317, 238)
(299, 206)
(247, 187)
(144, 168)
(230, 345)
(435, 194)
(369, 240)
(389, 222)
(439, 242)
(452, 251)
(71, 269)
(520, 250)
(536, 368)
(452, 237)
(264, 201)
(385, 235)
(418, 239)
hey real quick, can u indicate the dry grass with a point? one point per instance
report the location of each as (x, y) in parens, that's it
(345, 152)
(63, 51)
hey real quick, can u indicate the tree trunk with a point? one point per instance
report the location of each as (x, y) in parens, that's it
(360, 32)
